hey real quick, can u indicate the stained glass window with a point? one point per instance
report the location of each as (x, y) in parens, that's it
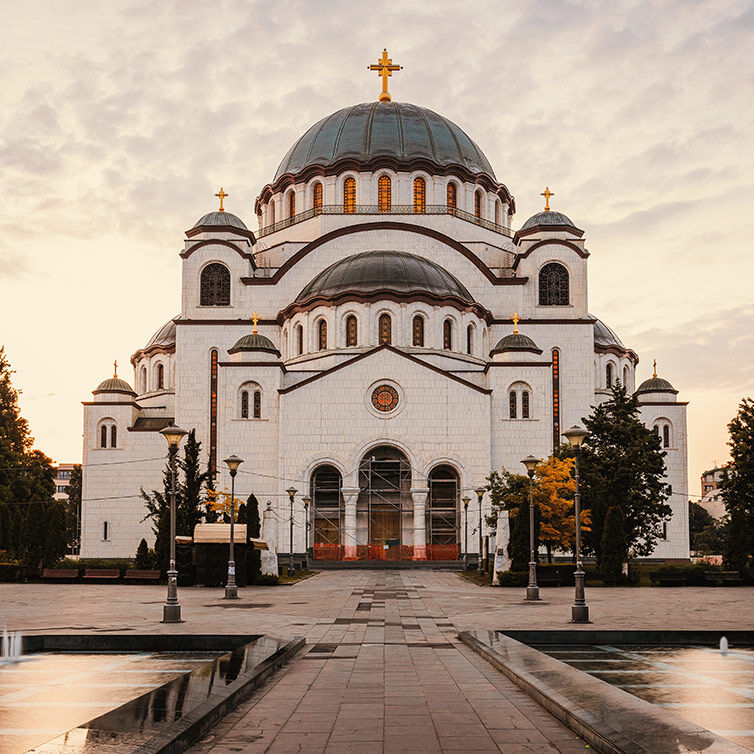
(418, 331)
(317, 197)
(114, 436)
(386, 329)
(244, 404)
(349, 195)
(478, 204)
(666, 436)
(215, 285)
(420, 195)
(322, 329)
(553, 285)
(512, 404)
(257, 404)
(213, 412)
(470, 339)
(555, 398)
(447, 335)
(384, 194)
(299, 339)
(352, 331)
(452, 196)
(160, 376)
(103, 436)
(609, 376)
(385, 398)
(291, 203)
(525, 404)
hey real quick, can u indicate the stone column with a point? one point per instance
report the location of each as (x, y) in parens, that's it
(350, 496)
(419, 496)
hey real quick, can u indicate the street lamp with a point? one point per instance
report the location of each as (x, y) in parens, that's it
(231, 590)
(532, 591)
(579, 609)
(171, 610)
(465, 501)
(291, 570)
(480, 494)
(306, 501)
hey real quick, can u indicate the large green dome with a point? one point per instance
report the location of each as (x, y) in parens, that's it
(372, 130)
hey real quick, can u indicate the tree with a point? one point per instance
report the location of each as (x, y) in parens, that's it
(15, 439)
(73, 509)
(219, 502)
(55, 537)
(699, 520)
(511, 492)
(737, 486)
(613, 544)
(622, 464)
(192, 509)
(253, 530)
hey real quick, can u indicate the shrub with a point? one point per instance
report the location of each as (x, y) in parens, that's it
(513, 578)
(693, 573)
(9, 572)
(265, 579)
(145, 557)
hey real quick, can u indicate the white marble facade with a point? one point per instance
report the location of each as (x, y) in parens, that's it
(310, 399)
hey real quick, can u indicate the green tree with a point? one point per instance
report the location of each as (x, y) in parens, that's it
(192, 508)
(73, 509)
(157, 504)
(699, 520)
(613, 544)
(711, 539)
(144, 557)
(15, 438)
(622, 464)
(737, 545)
(253, 530)
(55, 533)
(511, 492)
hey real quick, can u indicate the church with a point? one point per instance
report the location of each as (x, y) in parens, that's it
(385, 338)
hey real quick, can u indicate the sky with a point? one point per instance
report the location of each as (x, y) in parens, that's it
(120, 120)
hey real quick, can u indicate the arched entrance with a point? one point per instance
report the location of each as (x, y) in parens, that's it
(327, 512)
(442, 513)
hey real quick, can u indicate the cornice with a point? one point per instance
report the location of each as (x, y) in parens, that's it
(186, 253)
(552, 241)
(197, 229)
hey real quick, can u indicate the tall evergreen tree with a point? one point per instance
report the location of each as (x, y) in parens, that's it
(622, 464)
(511, 492)
(613, 544)
(15, 439)
(253, 530)
(192, 509)
(73, 509)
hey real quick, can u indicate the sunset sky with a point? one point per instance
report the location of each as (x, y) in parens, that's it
(120, 120)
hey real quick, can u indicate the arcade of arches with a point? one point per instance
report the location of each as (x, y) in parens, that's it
(386, 518)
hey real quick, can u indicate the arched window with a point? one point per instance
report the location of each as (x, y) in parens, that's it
(657, 429)
(418, 331)
(113, 436)
(352, 330)
(349, 196)
(470, 339)
(285, 344)
(385, 329)
(478, 204)
(299, 340)
(666, 436)
(609, 375)
(143, 379)
(447, 335)
(553, 285)
(452, 196)
(512, 400)
(420, 195)
(322, 334)
(625, 377)
(291, 203)
(525, 404)
(244, 404)
(272, 212)
(160, 376)
(384, 196)
(215, 285)
(497, 212)
(257, 404)
(317, 197)
(556, 439)
(103, 436)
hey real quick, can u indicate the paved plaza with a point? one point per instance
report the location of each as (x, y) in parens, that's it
(383, 670)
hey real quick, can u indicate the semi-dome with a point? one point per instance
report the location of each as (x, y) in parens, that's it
(227, 219)
(399, 130)
(114, 385)
(656, 385)
(374, 272)
(254, 342)
(605, 336)
(547, 217)
(515, 342)
(164, 337)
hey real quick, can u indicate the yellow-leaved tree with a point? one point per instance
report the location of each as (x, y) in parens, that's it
(219, 502)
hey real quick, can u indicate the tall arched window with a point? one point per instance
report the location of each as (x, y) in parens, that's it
(625, 377)
(244, 404)
(497, 212)
(451, 198)
(418, 331)
(160, 376)
(478, 204)
(447, 335)
(470, 339)
(555, 399)
(512, 400)
(384, 195)
(349, 195)
(420, 195)
(143, 379)
(317, 197)
(666, 436)
(322, 334)
(553, 285)
(609, 375)
(291, 203)
(103, 436)
(214, 285)
(525, 404)
(114, 437)
(299, 340)
(257, 404)
(272, 212)
(385, 329)
(352, 330)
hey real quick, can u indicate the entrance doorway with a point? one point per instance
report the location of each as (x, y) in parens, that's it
(442, 514)
(327, 512)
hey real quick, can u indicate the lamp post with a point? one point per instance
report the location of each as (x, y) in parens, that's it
(306, 501)
(231, 590)
(480, 494)
(466, 501)
(532, 591)
(171, 610)
(579, 609)
(291, 570)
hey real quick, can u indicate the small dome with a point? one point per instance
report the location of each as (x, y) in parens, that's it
(515, 342)
(254, 342)
(390, 271)
(656, 385)
(165, 336)
(221, 218)
(547, 217)
(114, 385)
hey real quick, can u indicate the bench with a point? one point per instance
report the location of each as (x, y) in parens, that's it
(134, 575)
(101, 574)
(548, 579)
(60, 574)
(723, 578)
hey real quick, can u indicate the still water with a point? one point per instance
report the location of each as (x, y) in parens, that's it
(50, 693)
(700, 684)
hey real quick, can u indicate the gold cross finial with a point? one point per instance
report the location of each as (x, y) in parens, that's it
(222, 196)
(115, 369)
(385, 68)
(547, 194)
(654, 367)
(254, 319)
(516, 320)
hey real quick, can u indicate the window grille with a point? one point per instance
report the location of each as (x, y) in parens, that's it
(384, 196)
(420, 195)
(257, 404)
(103, 436)
(418, 331)
(322, 327)
(452, 196)
(553, 285)
(349, 195)
(478, 204)
(317, 197)
(525, 404)
(113, 436)
(352, 331)
(447, 335)
(386, 329)
(215, 285)
(291, 203)
(244, 404)
(512, 401)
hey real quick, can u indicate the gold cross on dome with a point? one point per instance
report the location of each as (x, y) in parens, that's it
(384, 66)
(222, 196)
(254, 319)
(654, 367)
(115, 369)
(547, 194)
(516, 320)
